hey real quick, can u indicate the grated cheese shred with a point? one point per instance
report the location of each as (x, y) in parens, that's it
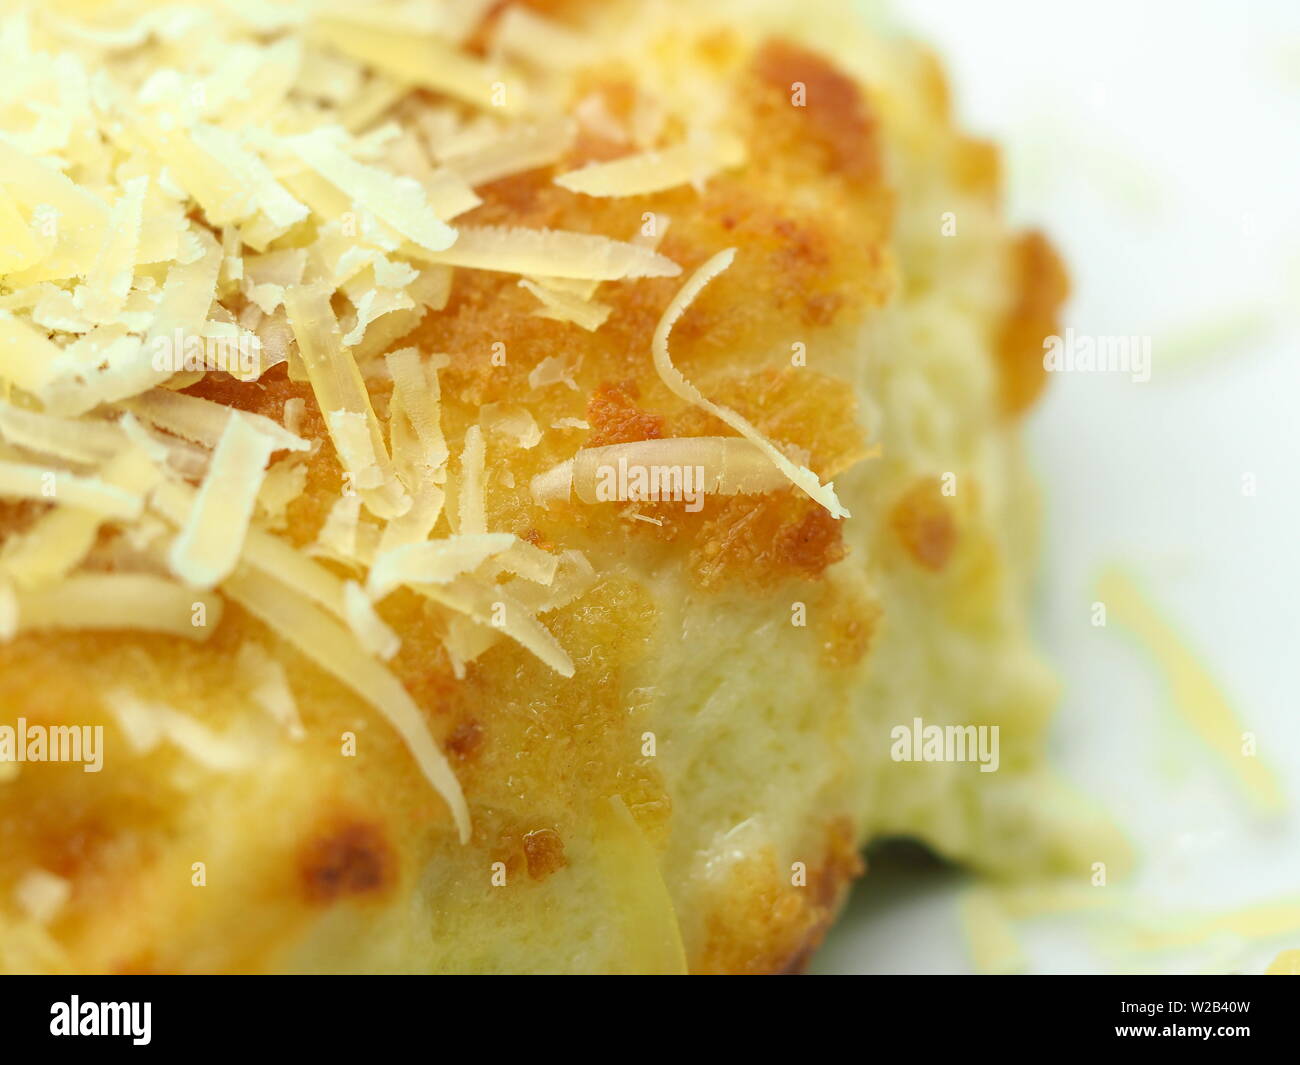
(129, 601)
(434, 561)
(692, 162)
(729, 465)
(800, 476)
(551, 252)
(338, 386)
(337, 651)
(212, 539)
(290, 193)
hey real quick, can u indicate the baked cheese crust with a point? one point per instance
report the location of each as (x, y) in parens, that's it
(694, 795)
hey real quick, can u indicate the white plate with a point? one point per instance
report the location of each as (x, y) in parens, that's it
(1159, 144)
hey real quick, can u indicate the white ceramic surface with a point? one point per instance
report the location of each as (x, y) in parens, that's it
(1159, 144)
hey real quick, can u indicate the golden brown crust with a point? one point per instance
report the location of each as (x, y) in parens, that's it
(361, 838)
(615, 418)
(349, 859)
(1041, 286)
(925, 524)
(833, 128)
(773, 926)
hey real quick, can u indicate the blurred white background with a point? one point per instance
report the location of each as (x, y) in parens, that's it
(1158, 142)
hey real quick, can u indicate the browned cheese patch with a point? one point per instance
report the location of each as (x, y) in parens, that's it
(347, 860)
(925, 524)
(1041, 285)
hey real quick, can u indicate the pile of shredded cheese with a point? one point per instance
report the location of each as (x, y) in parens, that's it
(221, 188)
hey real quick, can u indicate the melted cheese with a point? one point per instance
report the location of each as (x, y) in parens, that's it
(269, 687)
(334, 649)
(800, 476)
(256, 195)
(147, 724)
(41, 895)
